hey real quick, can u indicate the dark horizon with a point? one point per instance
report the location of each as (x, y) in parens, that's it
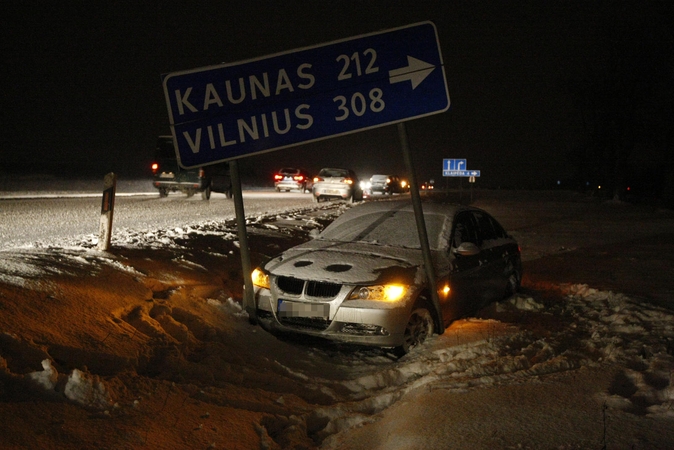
(532, 86)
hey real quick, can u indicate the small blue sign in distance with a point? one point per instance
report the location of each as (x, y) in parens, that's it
(454, 164)
(460, 173)
(228, 111)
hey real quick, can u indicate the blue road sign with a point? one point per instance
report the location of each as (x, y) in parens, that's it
(232, 110)
(460, 173)
(453, 164)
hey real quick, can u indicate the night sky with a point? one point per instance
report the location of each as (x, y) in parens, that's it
(83, 90)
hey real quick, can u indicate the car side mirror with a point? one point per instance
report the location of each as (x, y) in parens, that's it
(467, 249)
(313, 234)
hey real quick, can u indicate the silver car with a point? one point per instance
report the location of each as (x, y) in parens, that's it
(362, 280)
(337, 184)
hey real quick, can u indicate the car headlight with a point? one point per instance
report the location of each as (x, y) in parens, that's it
(386, 292)
(260, 279)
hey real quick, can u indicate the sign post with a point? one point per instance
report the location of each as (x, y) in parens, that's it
(421, 225)
(107, 209)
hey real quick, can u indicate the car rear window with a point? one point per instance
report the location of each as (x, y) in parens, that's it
(330, 173)
(165, 149)
(390, 228)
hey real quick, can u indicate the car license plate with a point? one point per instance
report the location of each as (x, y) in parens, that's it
(302, 309)
(332, 191)
(166, 175)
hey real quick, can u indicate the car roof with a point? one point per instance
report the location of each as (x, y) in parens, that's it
(428, 207)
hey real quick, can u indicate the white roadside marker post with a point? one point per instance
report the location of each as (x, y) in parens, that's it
(107, 208)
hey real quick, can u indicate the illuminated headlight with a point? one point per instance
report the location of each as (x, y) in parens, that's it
(387, 292)
(260, 279)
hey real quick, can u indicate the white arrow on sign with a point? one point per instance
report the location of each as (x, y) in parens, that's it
(415, 71)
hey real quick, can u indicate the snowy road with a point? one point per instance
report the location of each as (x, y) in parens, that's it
(27, 219)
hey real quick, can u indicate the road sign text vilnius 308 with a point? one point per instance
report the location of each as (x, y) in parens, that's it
(232, 110)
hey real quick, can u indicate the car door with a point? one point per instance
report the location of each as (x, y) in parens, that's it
(465, 271)
(492, 263)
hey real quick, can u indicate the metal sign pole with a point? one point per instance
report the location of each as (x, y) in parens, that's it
(248, 298)
(421, 224)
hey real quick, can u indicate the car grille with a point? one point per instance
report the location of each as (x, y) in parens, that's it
(320, 289)
(290, 285)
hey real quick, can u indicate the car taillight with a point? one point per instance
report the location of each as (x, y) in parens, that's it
(317, 179)
(155, 167)
(278, 177)
(298, 178)
(347, 181)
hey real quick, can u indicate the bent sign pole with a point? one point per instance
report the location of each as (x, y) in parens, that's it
(229, 111)
(421, 225)
(248, 297)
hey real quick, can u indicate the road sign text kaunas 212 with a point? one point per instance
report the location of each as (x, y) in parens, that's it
(231, 110)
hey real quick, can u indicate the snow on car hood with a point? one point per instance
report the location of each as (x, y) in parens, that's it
(347, 263)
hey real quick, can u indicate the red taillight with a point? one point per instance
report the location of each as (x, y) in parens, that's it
(347, 181)
(155, 167)
(298, 178)
(278, 177)
(317, 179)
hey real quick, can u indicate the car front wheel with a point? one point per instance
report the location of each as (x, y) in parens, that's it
(419, 327)
(163, 192)
(206, 193)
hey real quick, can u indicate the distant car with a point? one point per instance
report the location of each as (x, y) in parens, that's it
(168, 176)
(362, 280)
(290, 178)
(387, 184)
(338, 184)
(427, 186)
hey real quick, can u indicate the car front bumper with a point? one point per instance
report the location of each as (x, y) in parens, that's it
(378, 327)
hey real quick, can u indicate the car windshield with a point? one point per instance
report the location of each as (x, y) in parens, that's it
(333, 173)
(390, 228)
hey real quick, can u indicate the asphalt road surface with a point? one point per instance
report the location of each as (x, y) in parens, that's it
(47, 218)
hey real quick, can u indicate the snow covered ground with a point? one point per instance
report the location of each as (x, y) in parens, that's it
(146, 346)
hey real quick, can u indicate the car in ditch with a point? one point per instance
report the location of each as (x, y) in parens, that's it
(362, 279)
(168, 176)
(336, 184)
(290, 178)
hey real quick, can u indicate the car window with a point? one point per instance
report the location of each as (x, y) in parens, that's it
(485, 226)
(464, 230)
(165, 149)
(390, 228)
(498, 229)
(328, 173)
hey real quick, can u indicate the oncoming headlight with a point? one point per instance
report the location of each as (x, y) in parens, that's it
(386, 292)
(260, 279)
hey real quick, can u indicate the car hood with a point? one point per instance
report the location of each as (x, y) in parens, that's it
(347, 263)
